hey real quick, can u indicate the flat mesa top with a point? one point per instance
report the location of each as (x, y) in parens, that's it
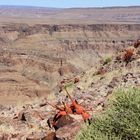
(39, 15)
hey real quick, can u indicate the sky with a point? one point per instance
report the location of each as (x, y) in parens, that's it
(71, 3)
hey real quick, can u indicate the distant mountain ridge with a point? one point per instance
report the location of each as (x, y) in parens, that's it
(27, 7)
(89, 15)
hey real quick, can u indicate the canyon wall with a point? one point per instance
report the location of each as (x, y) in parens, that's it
(34, 59)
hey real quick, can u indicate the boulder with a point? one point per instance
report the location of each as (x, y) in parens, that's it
(64, 120)
(68, 132)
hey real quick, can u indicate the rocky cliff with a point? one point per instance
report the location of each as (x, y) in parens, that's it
(34, 59)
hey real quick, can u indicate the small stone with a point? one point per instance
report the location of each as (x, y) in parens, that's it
(50, 136)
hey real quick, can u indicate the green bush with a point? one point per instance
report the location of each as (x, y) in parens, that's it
(120, 122)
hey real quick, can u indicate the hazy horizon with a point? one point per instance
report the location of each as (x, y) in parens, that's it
(70, 3)
(67, 7)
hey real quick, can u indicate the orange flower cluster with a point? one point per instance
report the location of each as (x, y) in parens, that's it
(73, 108)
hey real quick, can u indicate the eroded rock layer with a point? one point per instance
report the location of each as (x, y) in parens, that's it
(34, 59)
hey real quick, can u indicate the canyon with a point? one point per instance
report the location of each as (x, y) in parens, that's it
(34, 59)
(41, 47)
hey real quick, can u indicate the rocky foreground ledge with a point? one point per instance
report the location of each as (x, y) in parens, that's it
(93, 91)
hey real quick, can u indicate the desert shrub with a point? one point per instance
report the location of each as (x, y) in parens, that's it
(120, 122)
(69, 85)
(24, 28)
(107, 60)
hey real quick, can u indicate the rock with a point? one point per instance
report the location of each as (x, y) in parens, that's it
(101, 101)
(68, 132)
(137, 43)
(114, 82)
(50, 136)
(5, 136)
(77, 118)
(101, 71)
(76, 80)
(1, 136)
(42, 136)
(16, 137)
(30, 116)
(64, 120)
